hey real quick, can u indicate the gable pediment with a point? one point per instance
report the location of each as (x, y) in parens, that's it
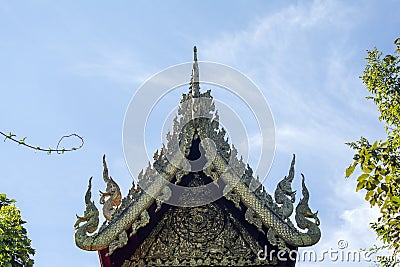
(197, 204)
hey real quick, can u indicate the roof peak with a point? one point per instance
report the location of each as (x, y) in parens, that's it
(194, 82)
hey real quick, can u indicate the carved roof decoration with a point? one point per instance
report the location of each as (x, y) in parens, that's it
(197, 120)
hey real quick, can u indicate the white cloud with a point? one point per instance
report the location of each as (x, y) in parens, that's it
(282, 33)
(116, 66)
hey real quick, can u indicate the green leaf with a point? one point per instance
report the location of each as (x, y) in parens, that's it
(385, 187)
(368, 195)
(388, 178)
(350, 169)
(375, 145)
(396, 200)
(9, 136)
(383, 171)
(22, 140)
(370, 185)
(360, 185)
(367, 168)
(362, 177)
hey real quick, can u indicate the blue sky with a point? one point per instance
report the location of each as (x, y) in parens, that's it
(73, 66)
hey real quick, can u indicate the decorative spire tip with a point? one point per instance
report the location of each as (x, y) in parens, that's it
(194, 82)
(195, 53)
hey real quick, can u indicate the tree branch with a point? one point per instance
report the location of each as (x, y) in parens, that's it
(49, 150)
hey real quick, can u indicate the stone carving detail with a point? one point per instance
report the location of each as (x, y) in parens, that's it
(230, 194)
(143, 220)
(275, 240)
(303, 212)
(252, 218)
(111, 198)
(179, 176)
(164, 196)
(198, 236)
(284, 194)
(134, 192)
(119, 242)
(90, 217)
(198, 224)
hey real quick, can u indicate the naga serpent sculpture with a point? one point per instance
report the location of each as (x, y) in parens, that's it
(303, 212)
(284, 194)
(112, 193)
(90, 216)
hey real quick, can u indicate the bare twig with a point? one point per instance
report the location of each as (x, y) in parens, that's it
(49, 150)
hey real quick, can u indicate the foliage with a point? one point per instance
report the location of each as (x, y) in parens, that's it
(382, 256)
(379, 161)
(15, 246)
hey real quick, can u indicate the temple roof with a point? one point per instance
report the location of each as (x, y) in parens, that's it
(197, 125)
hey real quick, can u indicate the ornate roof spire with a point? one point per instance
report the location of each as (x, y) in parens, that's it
(194, 83)
(195, 53)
